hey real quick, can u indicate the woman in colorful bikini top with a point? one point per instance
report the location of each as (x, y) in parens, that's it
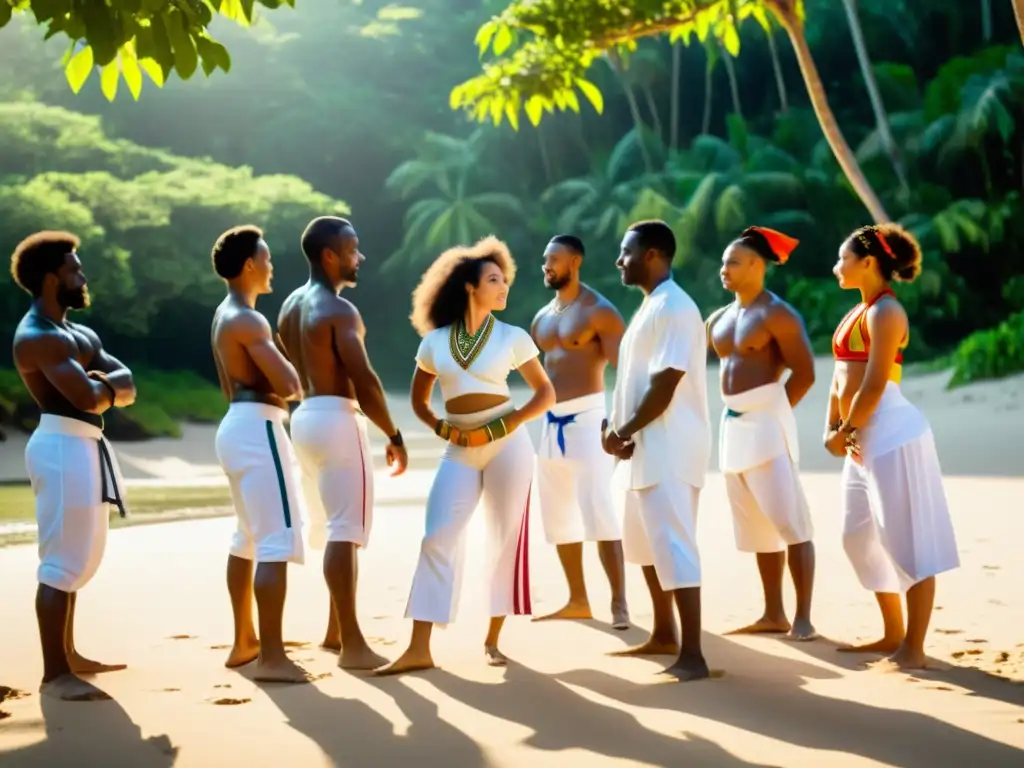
(869, 260)
(897, 530)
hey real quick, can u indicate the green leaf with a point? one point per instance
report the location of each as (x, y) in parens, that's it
(78, 69)
(484, 35)
(592, 93)
(109, 76)
(185, 57)
(502, 40)
(5, 13)
(154, 70)
(535, 109)
(731, 40)
(100, 32)
(130, 70)
(213, 55)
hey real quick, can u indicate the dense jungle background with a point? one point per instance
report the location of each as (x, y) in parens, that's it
(337, 107)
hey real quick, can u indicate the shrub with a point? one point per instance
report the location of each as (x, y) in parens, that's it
(990, 354)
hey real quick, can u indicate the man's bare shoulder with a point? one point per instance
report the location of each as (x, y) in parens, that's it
(241, 322)
(36, 342)
(778, 310)
(599, 307)
(715, 316)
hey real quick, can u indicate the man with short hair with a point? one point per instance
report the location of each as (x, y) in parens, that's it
(73, 471)
(256, 454)
(579, 333)
(757, 337)
(660, 432)
(323, 335)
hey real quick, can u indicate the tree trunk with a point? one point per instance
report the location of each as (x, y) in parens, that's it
(1018, 11)
(545, 158)
(677, 65)
(634, 110)
(709, 70)
(734, 87)
(986, 20)
(819, 101)
(780, 83)
(652, 107)
(881, 118)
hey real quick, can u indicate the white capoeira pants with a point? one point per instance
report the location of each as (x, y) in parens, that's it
(256, 454)
(659, 528)
(574, 474)
(759, 458)
(897, 529)
(330, 438)
(500, 475)
(75, 476)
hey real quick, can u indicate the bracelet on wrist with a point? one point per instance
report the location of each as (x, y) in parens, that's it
(396, 439)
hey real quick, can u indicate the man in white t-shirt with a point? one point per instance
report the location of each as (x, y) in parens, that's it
(661, 433)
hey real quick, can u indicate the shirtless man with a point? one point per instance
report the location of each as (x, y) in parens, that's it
(757, 338)
(73, 471)
(579, 333)
(323, 334)
(256, 454)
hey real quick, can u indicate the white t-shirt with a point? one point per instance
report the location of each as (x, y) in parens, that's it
(667, 331)
(500, 351)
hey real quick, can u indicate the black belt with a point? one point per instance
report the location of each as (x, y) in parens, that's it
(107, 468)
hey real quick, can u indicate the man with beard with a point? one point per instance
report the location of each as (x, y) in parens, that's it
(579, 333)
(660, 432)
(758, 337)
(71, 466)
(256, 454)
(323, 335)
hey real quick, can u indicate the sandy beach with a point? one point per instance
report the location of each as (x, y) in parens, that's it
(159, 604)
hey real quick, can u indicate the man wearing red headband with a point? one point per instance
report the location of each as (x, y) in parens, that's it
(757, 338)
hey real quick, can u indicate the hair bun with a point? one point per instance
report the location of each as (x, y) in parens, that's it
(904, 262)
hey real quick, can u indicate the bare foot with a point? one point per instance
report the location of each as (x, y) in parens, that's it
(284, 671)
(360, 658)
(802, 631)
(331, 644)
(410, 661)
(653, 647)
(885, 645)
(70, 687)
(620, 615)
(495, 658)
(688, 668)
(763, 626)
(83, 666)
(901, 661)
(242, 653)
(568, 611)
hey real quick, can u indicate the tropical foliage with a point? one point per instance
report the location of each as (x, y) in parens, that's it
(335, 101)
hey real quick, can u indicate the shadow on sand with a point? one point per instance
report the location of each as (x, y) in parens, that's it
(106, 737)
(764, 694)
(979, 682)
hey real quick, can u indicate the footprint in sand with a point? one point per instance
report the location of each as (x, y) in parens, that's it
(380, 641)
(976, 640)
(321, 676)
(170, 690)
(380, 618)
(939, 688)
(182, 637)
(968, 652)
(950, 631)
(223, 647)
(994, 601)
(229, 702)
(991, 567)
(223, 685)
(4, 715)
